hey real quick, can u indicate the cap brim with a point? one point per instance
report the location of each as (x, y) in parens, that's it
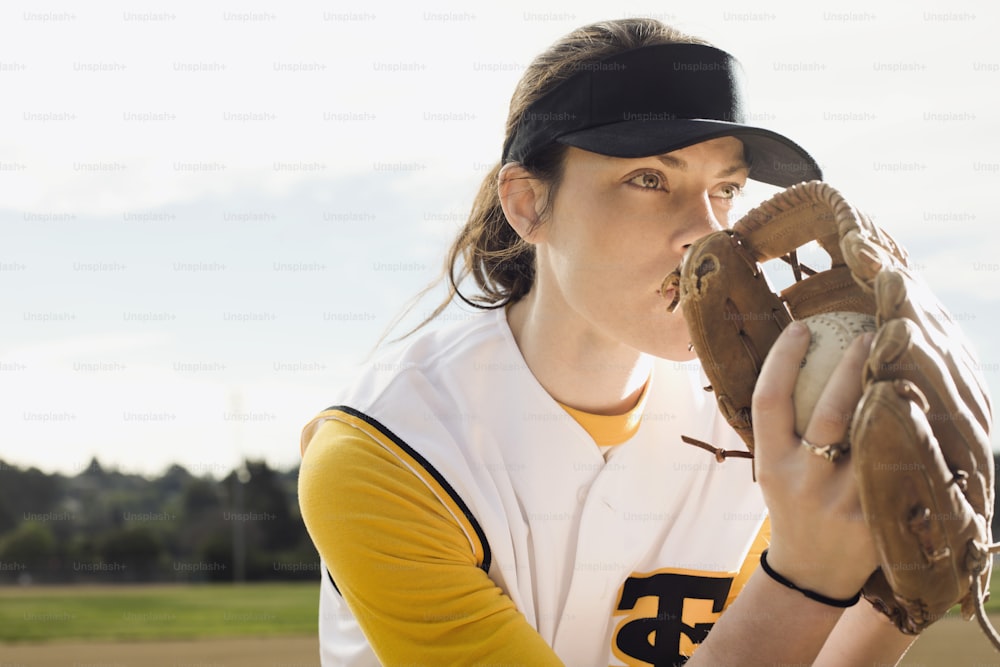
(775, 159)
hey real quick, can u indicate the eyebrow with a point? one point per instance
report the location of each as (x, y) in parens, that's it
(681, 165)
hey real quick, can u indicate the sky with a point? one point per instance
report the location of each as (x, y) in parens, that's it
(211, 211)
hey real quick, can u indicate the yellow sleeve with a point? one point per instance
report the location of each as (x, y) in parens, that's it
(402, 561)
(751, 562)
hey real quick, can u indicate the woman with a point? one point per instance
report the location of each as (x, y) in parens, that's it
(513, 489)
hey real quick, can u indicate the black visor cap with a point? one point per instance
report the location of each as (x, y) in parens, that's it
(654, 100)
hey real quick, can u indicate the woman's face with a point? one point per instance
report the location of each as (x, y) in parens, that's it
(618, 226)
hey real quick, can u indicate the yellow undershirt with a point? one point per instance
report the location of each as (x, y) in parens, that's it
(403, 564)
(610, 430)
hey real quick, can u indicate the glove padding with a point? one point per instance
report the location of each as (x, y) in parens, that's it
(919, 437)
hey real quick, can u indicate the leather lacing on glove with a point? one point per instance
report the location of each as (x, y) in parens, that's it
(977, 558)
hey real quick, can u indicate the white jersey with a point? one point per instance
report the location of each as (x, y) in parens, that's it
(623, 559)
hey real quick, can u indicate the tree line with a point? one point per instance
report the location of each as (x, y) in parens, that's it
(106, 526)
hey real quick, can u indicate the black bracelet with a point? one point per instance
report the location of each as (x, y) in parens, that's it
(812, 595)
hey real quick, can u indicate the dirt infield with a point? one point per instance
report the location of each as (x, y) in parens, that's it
(952, 642)
(949, 642)
(280, 652)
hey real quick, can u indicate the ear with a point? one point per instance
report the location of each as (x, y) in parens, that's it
(522, 197)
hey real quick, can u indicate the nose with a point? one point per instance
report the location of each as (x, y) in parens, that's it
(696, 218)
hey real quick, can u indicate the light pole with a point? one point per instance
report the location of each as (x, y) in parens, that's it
(241, 477)
(239, 525)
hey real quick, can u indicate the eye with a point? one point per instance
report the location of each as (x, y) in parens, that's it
(730, 191)
(648, 180)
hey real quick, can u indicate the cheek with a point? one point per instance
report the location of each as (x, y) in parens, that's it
(607, 247)
(585, 239)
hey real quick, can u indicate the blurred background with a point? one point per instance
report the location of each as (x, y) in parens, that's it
(210, 212)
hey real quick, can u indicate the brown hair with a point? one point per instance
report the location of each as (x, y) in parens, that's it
(487, 247)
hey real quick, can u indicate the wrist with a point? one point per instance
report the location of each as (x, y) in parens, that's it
(840, 603)
(811, 575)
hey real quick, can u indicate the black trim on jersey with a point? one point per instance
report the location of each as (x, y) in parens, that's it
(426, 465)
(332, 582)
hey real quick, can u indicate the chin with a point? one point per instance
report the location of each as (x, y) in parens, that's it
(676, 353)
(672, 340)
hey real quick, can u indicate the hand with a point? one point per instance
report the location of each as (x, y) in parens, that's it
(819, 537)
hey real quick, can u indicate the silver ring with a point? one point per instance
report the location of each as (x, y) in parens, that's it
(829, 452)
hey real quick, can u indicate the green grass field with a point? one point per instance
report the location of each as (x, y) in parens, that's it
(172, 612)
(43, 613)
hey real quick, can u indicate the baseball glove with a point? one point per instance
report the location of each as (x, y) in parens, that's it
(919, 437)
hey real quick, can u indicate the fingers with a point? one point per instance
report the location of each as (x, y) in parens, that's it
(832, 414)
(772, 408)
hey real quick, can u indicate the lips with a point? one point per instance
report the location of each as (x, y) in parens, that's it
(668, 289)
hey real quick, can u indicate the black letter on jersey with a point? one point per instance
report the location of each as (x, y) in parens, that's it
(657, 640)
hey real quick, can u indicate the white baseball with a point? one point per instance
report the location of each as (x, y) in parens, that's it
(831, 334)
